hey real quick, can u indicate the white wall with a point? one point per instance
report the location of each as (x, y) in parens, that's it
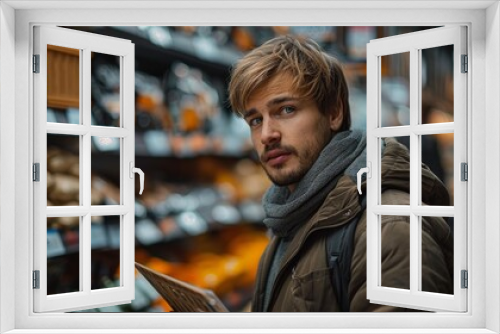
(492, 148)
(7, 160)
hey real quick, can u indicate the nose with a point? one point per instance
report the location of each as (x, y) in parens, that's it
(270, 132)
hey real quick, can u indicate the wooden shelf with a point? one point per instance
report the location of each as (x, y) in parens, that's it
(63, 73)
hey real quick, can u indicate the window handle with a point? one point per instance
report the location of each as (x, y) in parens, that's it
(368, 171)
(141, 175)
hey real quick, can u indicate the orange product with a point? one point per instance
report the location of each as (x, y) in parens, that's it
(160, 265)
(146, 103)
(190, 120)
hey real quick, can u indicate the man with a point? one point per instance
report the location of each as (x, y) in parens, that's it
(295, 100)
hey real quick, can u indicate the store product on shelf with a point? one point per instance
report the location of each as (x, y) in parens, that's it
(63, 186)
(203, 233)
(225, 262)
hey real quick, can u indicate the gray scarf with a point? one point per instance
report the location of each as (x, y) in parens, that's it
(285, 211)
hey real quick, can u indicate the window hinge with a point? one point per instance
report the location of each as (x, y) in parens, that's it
(36, 279)
(465, 279)
(36, 172)
(465, 64)
(464, 171)
(36, 63)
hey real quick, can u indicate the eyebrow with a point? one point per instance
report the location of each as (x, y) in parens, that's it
(269, 104)
(248, 113)
(281, 99)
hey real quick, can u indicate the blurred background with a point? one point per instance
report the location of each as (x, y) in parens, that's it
(200, 218)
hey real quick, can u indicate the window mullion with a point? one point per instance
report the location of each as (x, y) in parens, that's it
(85, 243)
(414, 169)
(419, 129)
(433, 129)
(108, 210)
(126, 183)
(460, 155)
(101, 131)
(66, 129)
(418, 148)
(85, 269)
(373, 184)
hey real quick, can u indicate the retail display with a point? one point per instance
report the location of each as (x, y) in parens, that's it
(199, 218)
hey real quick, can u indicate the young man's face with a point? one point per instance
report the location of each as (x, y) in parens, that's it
(287, 130)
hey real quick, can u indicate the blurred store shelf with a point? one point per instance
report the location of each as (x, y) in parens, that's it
(199, 219)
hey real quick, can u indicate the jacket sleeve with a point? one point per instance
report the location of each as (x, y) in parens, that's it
(395, 232)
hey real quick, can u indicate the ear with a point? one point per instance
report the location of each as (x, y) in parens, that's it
(336, 117)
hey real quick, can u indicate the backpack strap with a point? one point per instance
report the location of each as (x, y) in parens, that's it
(339, 248)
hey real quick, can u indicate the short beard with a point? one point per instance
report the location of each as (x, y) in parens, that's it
(306, 161)
(292, 177)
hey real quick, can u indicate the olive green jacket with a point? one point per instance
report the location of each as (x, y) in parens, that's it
(303, 281)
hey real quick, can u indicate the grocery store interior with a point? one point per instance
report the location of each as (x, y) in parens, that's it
(200, 216)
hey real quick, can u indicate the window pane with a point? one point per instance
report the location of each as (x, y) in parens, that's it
(395, 253)
(106, 171)
(437, 85)
(395, 89)
(437, 154)
(395, 166)
(63, 255)
(105, 254)
(63, 85)
(437, 254)
(105, 90)
(63, 170)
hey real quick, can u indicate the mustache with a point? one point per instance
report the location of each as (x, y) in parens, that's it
(282, 149)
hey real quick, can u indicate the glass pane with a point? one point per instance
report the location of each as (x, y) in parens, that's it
(395, 89)
(63, 170)
(395, 166)
(105, 170)
(105, 91)
(437, 85)
(63, 85)
(437, 154)
(395, 255)
(63, 255)
(437, 254)
(105, 254)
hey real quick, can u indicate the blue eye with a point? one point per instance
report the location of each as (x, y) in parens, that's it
(288, 109)
(255, 121)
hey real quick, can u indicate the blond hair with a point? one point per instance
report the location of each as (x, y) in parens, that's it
(315, 74)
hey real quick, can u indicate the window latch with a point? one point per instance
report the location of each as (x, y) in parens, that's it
(133, 170)
(368, 171)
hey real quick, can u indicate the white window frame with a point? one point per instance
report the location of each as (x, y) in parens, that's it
(86, 43)
(414, 43)
(483, 21)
